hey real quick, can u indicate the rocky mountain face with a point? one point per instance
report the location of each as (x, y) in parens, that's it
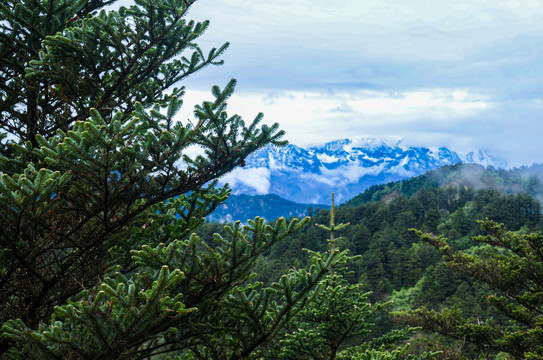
(345, 167)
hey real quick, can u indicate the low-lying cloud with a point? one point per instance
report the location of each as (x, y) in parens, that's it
(257, 179)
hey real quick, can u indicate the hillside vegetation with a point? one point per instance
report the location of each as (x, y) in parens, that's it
(476, 177)
(394, 264)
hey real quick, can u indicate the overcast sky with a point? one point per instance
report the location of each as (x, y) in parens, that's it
(462, 74)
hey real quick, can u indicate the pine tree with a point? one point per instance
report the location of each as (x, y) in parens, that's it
(337, 324)
(512, 264)
(99, 200)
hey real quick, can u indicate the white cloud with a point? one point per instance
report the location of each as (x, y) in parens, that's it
(351, 173)
(254, 178)
(459, 119)
(416, 29)
(462, 74)
(325, 158)
(311, 117)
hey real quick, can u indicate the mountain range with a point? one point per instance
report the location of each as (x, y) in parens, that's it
(345, 167)
(470, 177)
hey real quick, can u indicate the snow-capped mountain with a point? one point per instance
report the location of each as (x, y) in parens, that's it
(483, 158)
(345, 167)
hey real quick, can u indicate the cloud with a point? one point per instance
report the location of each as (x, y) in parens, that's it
(318, 116)
(343, 108)
(257, 179)
(350, 174)
(463, 74)
(390, 45)
(459, 119)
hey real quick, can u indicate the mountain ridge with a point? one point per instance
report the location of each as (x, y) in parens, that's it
(270, 207)
(472, 177)
(346, 167)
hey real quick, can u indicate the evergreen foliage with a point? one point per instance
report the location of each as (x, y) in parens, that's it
(99, 199)
(204, 305)
(392, 264)
(337, 323)
(472, 177)
(60, 59)
(512, 264)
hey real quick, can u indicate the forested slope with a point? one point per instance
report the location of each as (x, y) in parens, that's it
(518, 180)
(393, 263)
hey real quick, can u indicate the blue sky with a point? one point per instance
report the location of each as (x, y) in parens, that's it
(462, 74)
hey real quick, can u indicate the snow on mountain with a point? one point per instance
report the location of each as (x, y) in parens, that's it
(346, 167)
(483, 158)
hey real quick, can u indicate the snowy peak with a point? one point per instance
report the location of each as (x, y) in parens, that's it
(483, 158)
(346, 167)
(289, 157)
(347, 153)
